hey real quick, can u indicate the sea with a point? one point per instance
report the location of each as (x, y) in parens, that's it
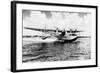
(56, 51)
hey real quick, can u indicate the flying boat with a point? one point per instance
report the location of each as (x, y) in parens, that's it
(53, 35)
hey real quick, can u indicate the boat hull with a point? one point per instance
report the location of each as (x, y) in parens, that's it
(71, 39)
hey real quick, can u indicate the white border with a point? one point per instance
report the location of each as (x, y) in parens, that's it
(21, 65)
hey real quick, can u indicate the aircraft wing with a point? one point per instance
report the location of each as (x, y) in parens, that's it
(46, 30)
(74, 31)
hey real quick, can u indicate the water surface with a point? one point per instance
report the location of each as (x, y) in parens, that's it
(57, 51)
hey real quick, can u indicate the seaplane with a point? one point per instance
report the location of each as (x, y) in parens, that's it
(53, 35)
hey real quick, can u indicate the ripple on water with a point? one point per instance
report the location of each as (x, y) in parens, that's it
(41, 52)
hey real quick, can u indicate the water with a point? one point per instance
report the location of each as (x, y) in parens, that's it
(57, 51)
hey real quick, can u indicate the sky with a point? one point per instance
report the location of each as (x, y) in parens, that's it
(53, 19)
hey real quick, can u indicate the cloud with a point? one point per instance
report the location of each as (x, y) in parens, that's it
(67, 20)
(26, 13)
(82, 15)
(48, 14)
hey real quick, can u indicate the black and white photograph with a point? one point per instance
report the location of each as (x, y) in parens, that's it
(56, 36)
(53, 36)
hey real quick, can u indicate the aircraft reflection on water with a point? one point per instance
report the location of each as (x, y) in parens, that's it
(52, 35)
